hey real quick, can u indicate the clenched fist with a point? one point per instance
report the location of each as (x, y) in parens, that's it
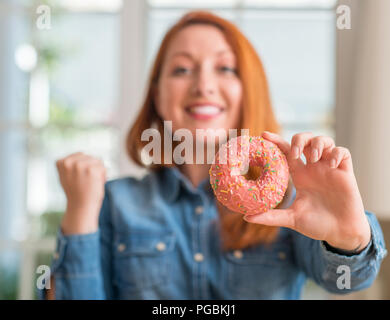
(82, 178)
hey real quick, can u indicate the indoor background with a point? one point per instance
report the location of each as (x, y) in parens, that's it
(72, 75)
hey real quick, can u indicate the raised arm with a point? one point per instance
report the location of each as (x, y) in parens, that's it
(81, 267)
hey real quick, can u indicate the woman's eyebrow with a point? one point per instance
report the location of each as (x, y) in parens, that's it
(188, 55)
(181, 53)
(222, 52)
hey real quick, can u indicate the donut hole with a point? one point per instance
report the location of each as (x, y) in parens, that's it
(253, 173)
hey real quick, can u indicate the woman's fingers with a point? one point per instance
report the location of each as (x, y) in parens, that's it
(276, 217)
(341, 158)
(278, 140)
(312, 147)
(317, 146)
(298, 143)
(284, 146)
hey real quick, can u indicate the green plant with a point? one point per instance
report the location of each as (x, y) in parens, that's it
(8, 283)
(50, 221)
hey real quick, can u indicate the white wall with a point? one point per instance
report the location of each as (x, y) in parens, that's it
(133, 62)
(363, 100)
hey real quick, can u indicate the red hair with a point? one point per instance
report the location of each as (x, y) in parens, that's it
(257, 116)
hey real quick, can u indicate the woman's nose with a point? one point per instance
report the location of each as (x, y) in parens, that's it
(204, 84)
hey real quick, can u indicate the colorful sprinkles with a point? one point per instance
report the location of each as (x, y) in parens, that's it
(250, 196)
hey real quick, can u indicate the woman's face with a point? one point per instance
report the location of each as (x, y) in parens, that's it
(198, 86)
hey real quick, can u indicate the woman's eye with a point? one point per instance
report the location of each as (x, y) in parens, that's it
(226, 69)
(181, 70)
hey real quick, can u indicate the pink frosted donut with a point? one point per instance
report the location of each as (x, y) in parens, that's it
(237, 193)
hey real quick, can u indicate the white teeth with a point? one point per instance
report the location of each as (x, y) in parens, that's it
(205, 110)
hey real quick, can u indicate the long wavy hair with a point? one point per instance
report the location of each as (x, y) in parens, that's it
(256, 115)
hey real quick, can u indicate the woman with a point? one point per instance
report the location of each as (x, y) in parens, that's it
(166, 237)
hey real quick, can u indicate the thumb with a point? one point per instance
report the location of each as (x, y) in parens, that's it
(276, 217)
(285, 147)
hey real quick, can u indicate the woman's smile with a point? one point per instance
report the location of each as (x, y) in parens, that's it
(204, 111)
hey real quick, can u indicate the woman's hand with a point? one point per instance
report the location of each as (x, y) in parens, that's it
(328, 205)
(82, 178)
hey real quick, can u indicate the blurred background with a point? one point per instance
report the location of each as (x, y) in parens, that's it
(72, 75)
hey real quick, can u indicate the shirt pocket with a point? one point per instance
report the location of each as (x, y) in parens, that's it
(142, 260)
(259, 273)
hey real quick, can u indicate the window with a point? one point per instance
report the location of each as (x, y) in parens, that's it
(65, 89)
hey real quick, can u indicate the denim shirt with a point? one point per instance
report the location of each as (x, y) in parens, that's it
(158, 238)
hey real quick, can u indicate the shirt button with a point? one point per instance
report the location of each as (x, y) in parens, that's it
(161, 246)
(121, 247)
(282, 255)
(56, 255)
(198, 257)
(199, 210)
(238, 254)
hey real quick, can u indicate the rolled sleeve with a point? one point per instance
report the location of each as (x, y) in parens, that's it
(328, 267)
(374, 251)
(76, 255)
(81, 264)
(76, 267)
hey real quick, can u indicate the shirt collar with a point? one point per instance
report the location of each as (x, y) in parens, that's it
(172, 182)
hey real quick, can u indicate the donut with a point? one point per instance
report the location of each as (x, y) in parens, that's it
(237, 193)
